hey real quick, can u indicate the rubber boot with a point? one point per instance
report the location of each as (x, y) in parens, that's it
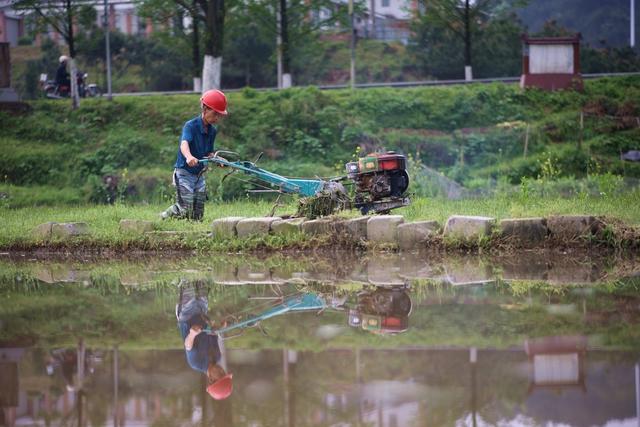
(183, 207)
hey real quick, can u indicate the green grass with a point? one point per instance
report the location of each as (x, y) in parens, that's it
(16, 224)
(625, 207)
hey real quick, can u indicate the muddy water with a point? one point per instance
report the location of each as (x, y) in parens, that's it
(327, 339)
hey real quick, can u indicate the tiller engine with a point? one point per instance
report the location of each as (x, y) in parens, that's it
(380, 182)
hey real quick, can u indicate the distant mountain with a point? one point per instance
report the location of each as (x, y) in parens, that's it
(599, 21)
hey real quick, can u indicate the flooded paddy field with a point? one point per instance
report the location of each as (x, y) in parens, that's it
(329, 339)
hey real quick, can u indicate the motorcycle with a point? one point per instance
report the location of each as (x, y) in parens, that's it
(52, 90)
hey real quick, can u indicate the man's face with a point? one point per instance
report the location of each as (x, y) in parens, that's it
(211, 116)
(215, 372)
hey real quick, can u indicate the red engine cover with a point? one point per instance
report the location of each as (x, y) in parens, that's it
(391, 162)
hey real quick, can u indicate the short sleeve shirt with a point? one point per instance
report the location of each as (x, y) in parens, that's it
(200, 143)
(205, 349)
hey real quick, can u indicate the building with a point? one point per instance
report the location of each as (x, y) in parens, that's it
(551, 63)
(11, 24)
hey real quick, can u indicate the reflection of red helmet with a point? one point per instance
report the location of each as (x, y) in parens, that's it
(222, 388)
(215, 100)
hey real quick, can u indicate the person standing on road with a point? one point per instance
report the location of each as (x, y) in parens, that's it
(196, 142)
(202, 348)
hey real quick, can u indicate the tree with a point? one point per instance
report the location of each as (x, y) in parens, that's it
(446, 32)
(172, 11)
(294, 23)
(212, 14)
(62, 16)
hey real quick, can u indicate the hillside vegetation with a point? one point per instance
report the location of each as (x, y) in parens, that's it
(475, 134)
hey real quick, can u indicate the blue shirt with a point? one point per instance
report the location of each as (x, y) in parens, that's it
(200, 143)
(205, 349)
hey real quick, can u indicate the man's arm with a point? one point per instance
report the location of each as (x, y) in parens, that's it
(193, 333)
(186, 152)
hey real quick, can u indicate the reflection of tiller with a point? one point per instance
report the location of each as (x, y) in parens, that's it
(298, 302)
(380, 180)
(384, 311)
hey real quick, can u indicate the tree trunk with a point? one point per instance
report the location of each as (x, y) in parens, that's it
(75, 99)
(211, 72)
(373, 20)
(195, 51)
(195, 43)
(284, 36)
(468, 74)
(213, 39)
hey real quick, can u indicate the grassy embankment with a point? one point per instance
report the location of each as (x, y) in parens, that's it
(105, 233)
(69, 163)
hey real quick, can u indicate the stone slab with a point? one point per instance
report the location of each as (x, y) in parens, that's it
(69, 229)
(414, 235)
(135, 226)
(524, 231)
(384, 270)
(468, 227)
(43, 231)
(226, 227)
(287, 226)
(355, 228)
(317, 227)
(467, 271)
(253, 274)
(569, 227)
(384, 228)
(254, 226)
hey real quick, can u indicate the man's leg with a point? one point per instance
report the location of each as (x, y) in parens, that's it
(199, 198)
(183, 208)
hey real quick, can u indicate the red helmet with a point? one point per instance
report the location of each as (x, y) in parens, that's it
(215, 100)
(222, 388)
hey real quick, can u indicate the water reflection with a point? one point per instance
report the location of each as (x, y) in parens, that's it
(365, 387)
(354, 343)
(381, 310)
(201, 343)
(376, 269)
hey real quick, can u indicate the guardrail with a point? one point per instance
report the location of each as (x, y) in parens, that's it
(385, 84)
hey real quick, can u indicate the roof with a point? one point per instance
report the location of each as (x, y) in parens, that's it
(551, 40)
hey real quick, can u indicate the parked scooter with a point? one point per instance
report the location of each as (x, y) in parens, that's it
(56, 91)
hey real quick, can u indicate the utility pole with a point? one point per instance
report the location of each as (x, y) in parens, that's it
(278, 46)
(352, 70)
(107, 48)
(632, 16)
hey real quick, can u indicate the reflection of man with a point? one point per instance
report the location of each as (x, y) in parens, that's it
(201, 346)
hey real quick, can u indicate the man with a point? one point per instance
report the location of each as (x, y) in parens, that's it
(62, 76)
(201, 347)
(196, 142)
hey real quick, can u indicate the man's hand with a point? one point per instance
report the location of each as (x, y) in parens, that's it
(221, 158)
(192, 161)
(213, 156)
(193, 332)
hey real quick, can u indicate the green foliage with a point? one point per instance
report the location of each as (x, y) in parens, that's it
(474, 134)
(439, 39)
(140, 55)
(25, 164)
(597, 22)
